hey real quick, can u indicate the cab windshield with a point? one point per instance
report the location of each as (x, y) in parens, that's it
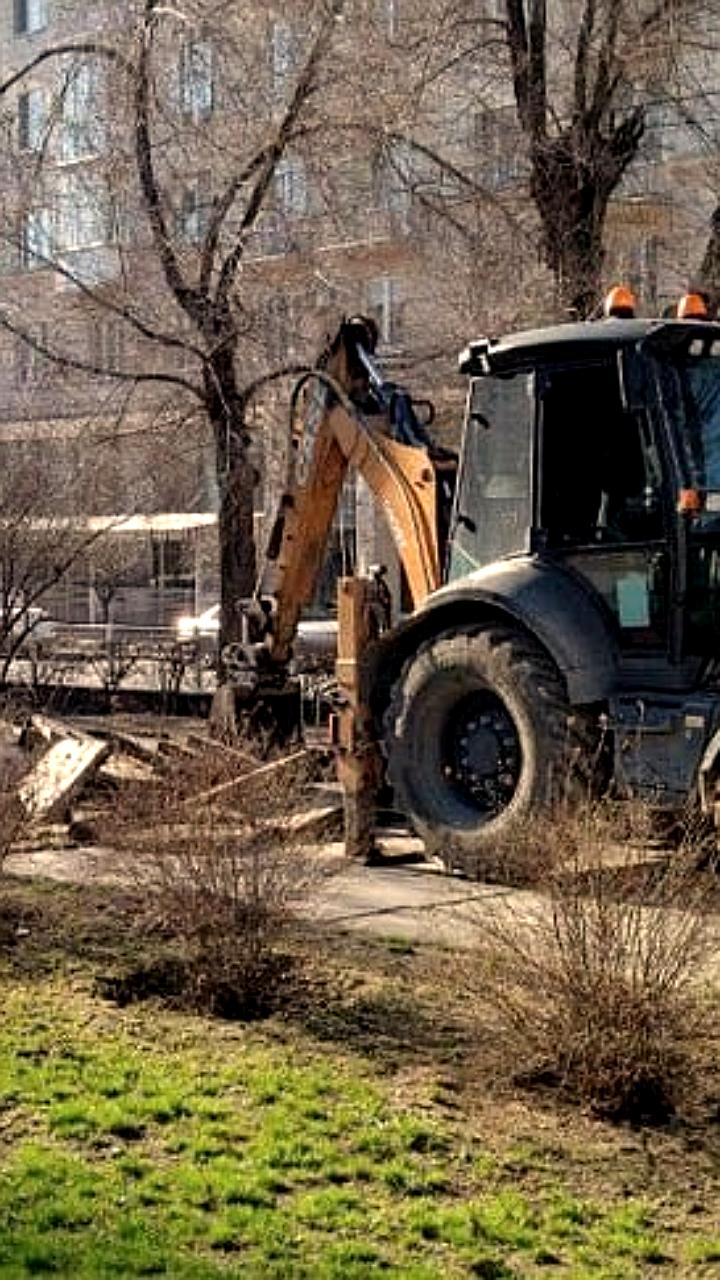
(691, 392)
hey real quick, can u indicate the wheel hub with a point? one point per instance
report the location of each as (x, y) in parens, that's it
(482, 752)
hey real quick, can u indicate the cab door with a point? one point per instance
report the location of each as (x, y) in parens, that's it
(492, 516)
(599, 505)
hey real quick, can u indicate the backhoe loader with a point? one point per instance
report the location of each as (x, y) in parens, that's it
(564, 574)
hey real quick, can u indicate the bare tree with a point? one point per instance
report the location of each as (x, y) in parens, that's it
(699, 115)
(576, 78)
(184, 291)
(39, 539)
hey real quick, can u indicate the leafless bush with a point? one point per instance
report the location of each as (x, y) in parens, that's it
(13, 818)
(13, 823)
(223, 878)
(594, 982)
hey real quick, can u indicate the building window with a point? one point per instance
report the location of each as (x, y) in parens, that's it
(196, 79)
(83, 134)
(108, 337)
(30, 16)
(291, 190)
(194, 210)
(391, 190)
(280, 326)
(187, 334)
(83, 211)
(172, 561)
(498, 147)
(120, 224)
(390, 17)
(284, 54)
(36, 239)
(386, 306)
(31, 120)
(31, 366)
(667, 131)
(401, 173)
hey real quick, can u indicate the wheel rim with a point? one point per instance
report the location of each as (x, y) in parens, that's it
(481, 754)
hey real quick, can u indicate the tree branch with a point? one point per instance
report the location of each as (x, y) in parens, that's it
(107, 304)
(474, 188)
(186, 297)
(585, 32)
(90, 48)
(304, 88)
(266, 380)
(537, 67)
(517, 38)
(607, 64)
(87, 366)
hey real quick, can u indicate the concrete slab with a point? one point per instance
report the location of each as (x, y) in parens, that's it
(419, 903)
(59, 773)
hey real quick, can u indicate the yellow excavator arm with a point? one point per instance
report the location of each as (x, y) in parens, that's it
(334, 436)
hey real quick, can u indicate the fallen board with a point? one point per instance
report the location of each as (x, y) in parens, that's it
(58, 775)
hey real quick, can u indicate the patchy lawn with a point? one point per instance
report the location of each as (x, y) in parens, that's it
(357, 1135)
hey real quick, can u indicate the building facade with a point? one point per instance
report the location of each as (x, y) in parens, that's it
(99, 360)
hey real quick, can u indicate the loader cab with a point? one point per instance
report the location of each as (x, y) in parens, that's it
(596, 446)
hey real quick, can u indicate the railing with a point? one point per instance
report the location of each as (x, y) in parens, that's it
(131, 659)
(277, 234)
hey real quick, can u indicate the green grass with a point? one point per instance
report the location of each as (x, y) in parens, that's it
(141, 1143)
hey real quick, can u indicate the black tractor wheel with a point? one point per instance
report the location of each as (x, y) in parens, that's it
(479, 737)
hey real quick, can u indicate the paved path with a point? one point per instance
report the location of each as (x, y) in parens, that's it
(416, 902)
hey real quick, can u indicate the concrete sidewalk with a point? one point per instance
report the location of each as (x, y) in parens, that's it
(418, 901)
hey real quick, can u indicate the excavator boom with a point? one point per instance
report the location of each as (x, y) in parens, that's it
(349, 423)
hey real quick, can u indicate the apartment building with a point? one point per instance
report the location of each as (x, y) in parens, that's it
(353, 220)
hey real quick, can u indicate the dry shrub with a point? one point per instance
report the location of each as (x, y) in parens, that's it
(13, 819)
(224, 883)
(594, 982)
(13, 823)
(13, 826)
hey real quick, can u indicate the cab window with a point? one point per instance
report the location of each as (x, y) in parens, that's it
(599, 475)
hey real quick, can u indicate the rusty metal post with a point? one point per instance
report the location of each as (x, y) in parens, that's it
(357, 753)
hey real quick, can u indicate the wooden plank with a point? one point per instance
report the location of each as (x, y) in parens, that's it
(125, 768)
(323, 820)
(60, 773)
(145, 749)
(223, 750)
(264, 771)
(50, 730)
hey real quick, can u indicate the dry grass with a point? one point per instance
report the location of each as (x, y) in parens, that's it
(13, 825)
(13, 819)
(595, 982)
(224, 879)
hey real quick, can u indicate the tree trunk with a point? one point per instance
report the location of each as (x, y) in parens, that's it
(579, 270)
(572, 208)
(236, 535)
(572, 178)
(709, 274)
(236, 484)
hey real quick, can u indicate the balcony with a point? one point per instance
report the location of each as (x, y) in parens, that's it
(277, 235)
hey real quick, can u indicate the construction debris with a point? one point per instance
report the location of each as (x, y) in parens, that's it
(265, 770)
(125, 768)
(73, 780)
(59, 774)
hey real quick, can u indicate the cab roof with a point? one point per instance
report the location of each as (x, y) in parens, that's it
(585, 340)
